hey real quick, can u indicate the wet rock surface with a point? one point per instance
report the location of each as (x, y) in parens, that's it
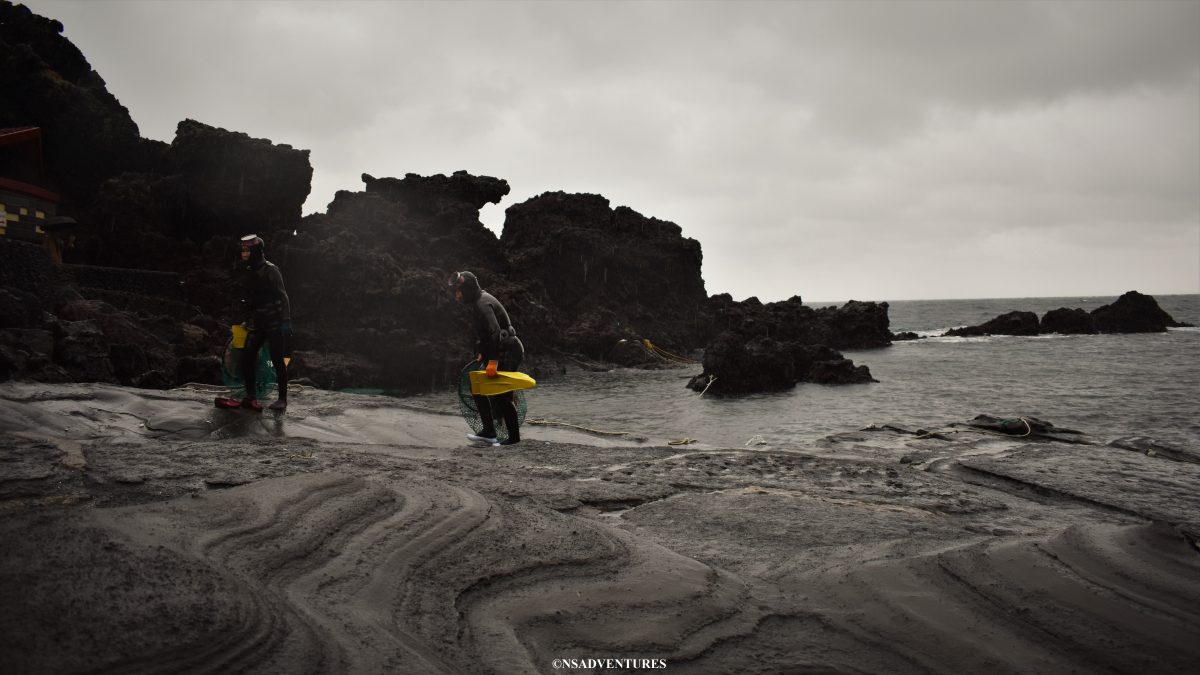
(354, 535)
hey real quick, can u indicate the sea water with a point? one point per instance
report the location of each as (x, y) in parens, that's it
(1107, 386)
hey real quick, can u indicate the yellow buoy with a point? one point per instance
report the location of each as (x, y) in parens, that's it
(239, 335)
(504, 381)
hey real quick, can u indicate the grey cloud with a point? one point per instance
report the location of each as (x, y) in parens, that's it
(828, 149)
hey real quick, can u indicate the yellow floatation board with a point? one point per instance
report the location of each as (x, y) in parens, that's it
(505, 380)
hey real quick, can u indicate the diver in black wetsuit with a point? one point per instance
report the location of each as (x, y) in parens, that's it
(268, 317)
(497, 341)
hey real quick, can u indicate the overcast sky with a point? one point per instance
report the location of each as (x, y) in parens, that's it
(833, 150)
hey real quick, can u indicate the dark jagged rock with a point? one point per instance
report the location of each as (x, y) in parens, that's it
(231, 184)
(614, 271)
(433, 195)
(201, 369)
(854, 325)
(148, 287)
(367, 280)
(211, 182)
(739, 366)
(1067, 322)
(735, 365)
(1010, 323)
(54, 332)
(28, 354)
(1133, 312)
(140, 203)
(773, 346)
(18, 308)
(825, 365)
(333, 370)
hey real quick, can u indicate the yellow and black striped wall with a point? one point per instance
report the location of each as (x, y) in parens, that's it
(24, 217)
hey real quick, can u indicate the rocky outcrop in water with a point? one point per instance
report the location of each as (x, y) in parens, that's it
(1067, 322)
(1010, 323)
(1133, 312)
(854, 325)
(773, 346)
(736, 365)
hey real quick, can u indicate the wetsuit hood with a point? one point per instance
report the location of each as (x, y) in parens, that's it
(258, 253)
(468, 284)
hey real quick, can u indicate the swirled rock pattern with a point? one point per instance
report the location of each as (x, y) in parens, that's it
(148, 532)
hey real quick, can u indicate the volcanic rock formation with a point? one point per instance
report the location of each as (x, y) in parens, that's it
(148, 287)
(1133, 312)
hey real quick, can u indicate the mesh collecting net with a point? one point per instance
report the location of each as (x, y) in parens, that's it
(231, 372)
(470, 412)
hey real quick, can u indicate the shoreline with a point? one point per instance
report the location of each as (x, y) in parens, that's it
(152, 531)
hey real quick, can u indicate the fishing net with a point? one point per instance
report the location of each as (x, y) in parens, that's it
(231, 372)
(470, 412)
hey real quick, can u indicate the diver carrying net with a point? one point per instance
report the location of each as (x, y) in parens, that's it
(470, 412)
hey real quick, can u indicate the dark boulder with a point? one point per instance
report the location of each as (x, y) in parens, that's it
(29, 355)
(81, 349)
(18, 308)
(199, 369)
(739, 366)
(735, 365)
(132, 351)
(333, 370)
(1133, 312)
(840, 371)
(1067, 322)
(1010, 323)
(825, 365)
